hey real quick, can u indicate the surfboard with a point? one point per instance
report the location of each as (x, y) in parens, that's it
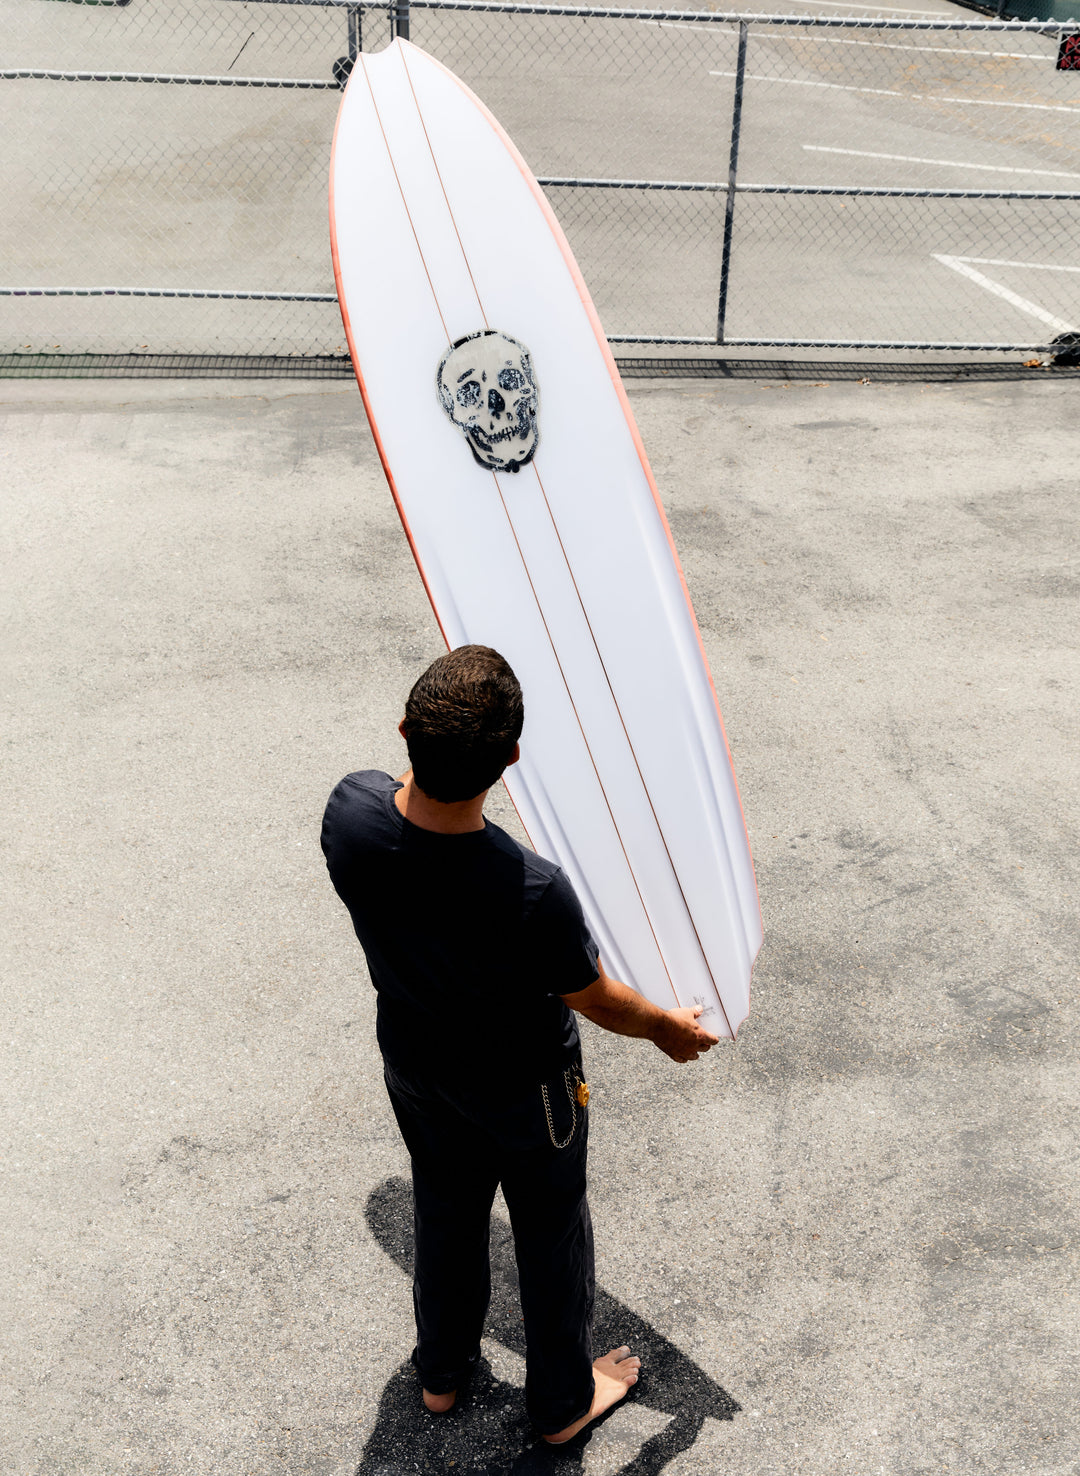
(525, 493)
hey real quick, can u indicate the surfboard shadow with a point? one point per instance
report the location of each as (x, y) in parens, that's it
(490, 1434)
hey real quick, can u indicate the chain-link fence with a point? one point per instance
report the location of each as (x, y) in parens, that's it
(745, 180)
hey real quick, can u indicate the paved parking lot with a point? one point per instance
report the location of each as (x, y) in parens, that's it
(846, 1244)
(128, 184)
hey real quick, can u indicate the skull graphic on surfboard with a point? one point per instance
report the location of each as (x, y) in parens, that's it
(486, 386)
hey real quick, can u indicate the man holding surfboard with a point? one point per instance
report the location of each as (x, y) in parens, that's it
(479, 953)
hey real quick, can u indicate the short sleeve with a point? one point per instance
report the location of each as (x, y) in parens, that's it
(561, 954)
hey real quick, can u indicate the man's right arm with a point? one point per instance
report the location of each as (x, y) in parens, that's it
(615, 1007)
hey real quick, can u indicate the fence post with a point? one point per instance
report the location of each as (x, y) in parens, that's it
(342, 68)
(733, 169)
(401, 19)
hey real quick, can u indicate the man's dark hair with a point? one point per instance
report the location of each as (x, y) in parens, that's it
(462, 719)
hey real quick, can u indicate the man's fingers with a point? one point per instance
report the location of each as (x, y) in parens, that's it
(687, 1039)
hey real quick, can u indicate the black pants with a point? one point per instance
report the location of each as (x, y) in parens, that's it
(461, 1153)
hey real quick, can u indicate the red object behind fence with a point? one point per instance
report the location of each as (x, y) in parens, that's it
(1069, 54)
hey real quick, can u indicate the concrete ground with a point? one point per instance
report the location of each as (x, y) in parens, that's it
(846, 1244)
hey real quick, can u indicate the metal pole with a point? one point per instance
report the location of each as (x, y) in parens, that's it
(733, 169)
(401, 19)
(342, 68)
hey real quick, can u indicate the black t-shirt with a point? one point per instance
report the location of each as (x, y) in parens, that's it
(470, 939)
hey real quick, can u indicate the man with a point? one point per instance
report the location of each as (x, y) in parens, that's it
(479, 951)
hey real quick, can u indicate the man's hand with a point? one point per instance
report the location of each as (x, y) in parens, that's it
(681, 1037)
(613, 1006)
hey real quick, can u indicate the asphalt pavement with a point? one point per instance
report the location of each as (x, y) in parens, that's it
(846, 1243)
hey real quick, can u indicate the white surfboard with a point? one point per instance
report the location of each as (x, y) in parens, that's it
(524, 490)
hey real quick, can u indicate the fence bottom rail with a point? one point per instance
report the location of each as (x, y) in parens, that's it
(339, 366)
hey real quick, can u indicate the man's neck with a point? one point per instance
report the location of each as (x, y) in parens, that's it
(421, 810)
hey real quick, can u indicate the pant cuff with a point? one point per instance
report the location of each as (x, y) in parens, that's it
(445, 1383)
(551, 1425)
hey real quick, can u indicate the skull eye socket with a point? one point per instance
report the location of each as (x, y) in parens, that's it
(469, 395)
(511, 379)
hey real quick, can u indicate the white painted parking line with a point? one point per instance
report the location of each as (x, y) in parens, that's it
(877, 9)
(833, 86)
(838, 4)
(1027, 266)
(981, 102)
(944, 163)
(773, 35)
(984, 102)
(962, 265)
(1043, 56)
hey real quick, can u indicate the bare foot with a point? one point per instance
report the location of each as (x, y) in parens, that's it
(439, 1403)
(613, 1376)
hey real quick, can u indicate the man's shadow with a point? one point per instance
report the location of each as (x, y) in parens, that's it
(489, 1435)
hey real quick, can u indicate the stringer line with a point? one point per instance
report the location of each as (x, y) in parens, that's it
(405, 203)
(592, 635)
(442, 186)
(630, 745)
(584, 739)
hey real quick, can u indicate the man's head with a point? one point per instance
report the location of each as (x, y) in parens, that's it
(462, 723)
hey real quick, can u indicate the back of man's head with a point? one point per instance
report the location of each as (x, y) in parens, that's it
(462, 720)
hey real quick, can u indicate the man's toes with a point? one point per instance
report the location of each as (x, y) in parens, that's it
(620, 1365)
